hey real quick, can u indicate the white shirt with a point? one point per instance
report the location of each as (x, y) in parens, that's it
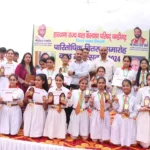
(39, 71)
(129, 74)
(131, 100)
(97, 98)
(75, 98)
(14, 64)
(109, 65)
(141, 95)
(80, 69)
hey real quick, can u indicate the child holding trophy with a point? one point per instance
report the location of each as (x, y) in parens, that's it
(55, 126)
(123, 130)
(126, 72)
(35, 114)
(79, 119)
(99, 73)
(50, 71)
(100, 117)
(141, 74)
(11, 114)
(143, 118)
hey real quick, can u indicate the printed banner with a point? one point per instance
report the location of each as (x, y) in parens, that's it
(133, 42)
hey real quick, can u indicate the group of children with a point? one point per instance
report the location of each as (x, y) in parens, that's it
(45, 116)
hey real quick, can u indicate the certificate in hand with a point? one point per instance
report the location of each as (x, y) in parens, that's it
(67, 79)
(117, 80)
(56, 97)
(29, 78)
(9, 69)
(7, 94)
(38, 95)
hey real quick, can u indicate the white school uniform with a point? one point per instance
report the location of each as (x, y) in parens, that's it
(4, 82)
(95, 88)
(34, 118)
(79, 124)
(123, 130)
(55, 126)
(143, 118)
(100, 128)
(140, 80)
(50, 73)
(11, 117)
(131, 75)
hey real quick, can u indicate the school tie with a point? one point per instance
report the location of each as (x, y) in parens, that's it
(143, 76)
(102, 106)
(59, 105)
(77, 110)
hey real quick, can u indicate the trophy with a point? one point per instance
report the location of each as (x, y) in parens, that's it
(60, 70)
(62, 98)
(107, 96)
(126, 106)
(44, 98)
(49, 81)
(87, 93)
(50, 98)
(2, 69)
(30, 95)
(15, 96)
(142, 84)
(146, 101)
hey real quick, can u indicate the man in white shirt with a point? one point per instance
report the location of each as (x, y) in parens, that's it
(41, 32)
(85, 56)
(106, 62)
(78, 69)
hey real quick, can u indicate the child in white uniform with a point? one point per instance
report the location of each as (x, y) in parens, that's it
(9, 60)
(127, 72)
(100, 117)
(11, 114)
(50, 70)
(42, 64)
(35, 114)
(143, 118)
(141, 75)
(79, 119)
(123, 130)
(99, 73)
(55, 126)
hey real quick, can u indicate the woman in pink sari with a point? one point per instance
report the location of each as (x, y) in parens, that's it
(24, 68)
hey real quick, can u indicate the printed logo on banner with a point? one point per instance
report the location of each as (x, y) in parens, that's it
(40, 39)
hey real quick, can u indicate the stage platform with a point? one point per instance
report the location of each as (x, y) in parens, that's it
(19, 142)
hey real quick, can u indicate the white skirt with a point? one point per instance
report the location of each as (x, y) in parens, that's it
(143, 127)
(55, 126)
(34, 120)
(79, 124)
(123, 131)
(100, 128)
(11, 120)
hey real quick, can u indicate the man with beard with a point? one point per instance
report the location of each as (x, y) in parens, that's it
(78, 69)
(41, 32)
(105, 62)
(138, 40)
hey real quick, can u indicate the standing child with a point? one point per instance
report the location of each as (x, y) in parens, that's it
(126, 72)
(35, 115)
(143, 118)
(141, 75)
(79, 120)
(50, 71)
(55, 126)
(123, 130)
(100, 118)
(11, 115)
(99, 73)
